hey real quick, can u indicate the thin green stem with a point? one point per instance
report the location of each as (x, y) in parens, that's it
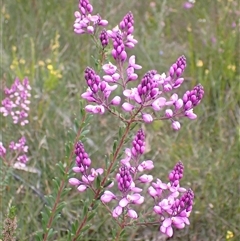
(62, 184)
(96, 196)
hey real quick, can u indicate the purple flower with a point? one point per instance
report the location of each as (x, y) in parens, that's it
(193, 98)
(116, 100)
(176, 174)
(145, 178)
(95, 109)
(138, 144)
(82, 159)
(145, 165)
(85, 7)
(169, 113)
(118, 51)
(135, 198)
(23, 159)
(126, 25)
(147, 118)
(188, 5)
(19, 148)
(104, 38)
(148, 88)
(109, 68)
(2, 150)
(132, 214)
(16, 103)
(174, 81)
(124, 179)
(132, 94)
(93, 80)
(117, 211)
(158, 104)
(107, 197)
(189, 114)
(83, 163)
(176, 125)
(85, 22)
(127, 107)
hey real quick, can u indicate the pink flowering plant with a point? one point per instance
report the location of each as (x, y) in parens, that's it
(15, 106)
(125, 183)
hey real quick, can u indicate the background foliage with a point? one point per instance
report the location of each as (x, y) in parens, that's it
(38, 41)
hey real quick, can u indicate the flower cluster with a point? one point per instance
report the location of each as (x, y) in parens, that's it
(98, 92)
(16, 103)
(83, 163)
(18, 149)
(172, 209)
(154, 92)
(2, 150)
(128, 177)
(85, 22)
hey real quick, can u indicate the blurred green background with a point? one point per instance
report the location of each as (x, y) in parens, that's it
(38, 41)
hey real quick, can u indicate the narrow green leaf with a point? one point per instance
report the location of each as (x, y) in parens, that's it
(98, 181)
(85, 228)
(85, 209)
(91, 215)
(60, 206)
(56, 183)
(107, 183)
(114, 145)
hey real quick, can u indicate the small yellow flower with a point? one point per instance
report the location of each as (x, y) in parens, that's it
(53, 72)
(14, 48)
(41, 63)
(7, 16)
(22, 61)
(12, 67)
(206, 71)
(48, 61)
(229, 235)
(50, 67)
(189, 29)
(199, 63)
(232, 67)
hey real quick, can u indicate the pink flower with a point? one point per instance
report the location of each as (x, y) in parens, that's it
(74, 181)
(145, 165)
(189, 114)
(16, 102)
(94, 174)
(135, 198)
(166, 227)
(176, 125)
(117, 211)
(132, 94)
(158, 104)
(82, 188)
(116, 100)
(127, 107)
(2, 150)
(132, 63)
(132, 214)
(95, 109)
(145, 178)
(107, 197)
(169, 113)
(159, 78)
(188, 5)
(147, 118)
